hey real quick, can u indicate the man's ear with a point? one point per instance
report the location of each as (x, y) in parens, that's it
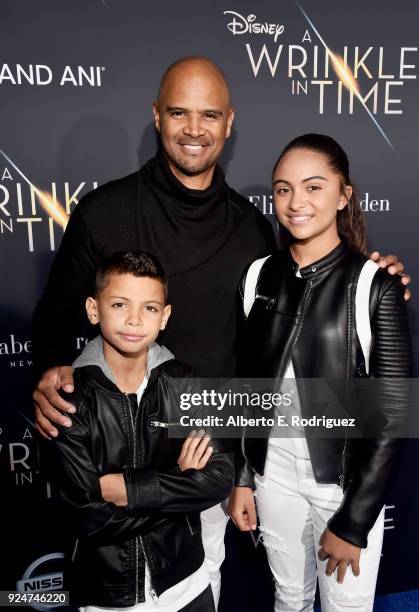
(92, 311)
(166, 314)
(230, 120)
(156, 114)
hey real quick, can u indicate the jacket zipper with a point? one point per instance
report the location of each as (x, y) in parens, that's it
(298, 329)
(139, 538)
(152, 592)
(134, 465)
(348, 306)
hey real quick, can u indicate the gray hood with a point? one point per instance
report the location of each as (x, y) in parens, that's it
(92, 355)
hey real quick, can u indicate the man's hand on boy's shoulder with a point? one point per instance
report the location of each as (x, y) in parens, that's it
(195, 451)
(49, 405)
(393, 266)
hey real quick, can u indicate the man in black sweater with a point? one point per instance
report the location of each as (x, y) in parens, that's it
(179, 208)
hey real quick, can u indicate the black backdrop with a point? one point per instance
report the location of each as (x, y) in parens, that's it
(76, 84)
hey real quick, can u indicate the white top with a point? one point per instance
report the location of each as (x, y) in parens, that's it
(178, 595)
(292, 439)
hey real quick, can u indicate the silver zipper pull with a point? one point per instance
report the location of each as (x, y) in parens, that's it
(270, 302)
(159, 424)
(189, 525)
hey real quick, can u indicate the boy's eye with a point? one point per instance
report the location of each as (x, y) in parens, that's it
(151, 308)
(282, 190)
(118, 305)
(313, 187)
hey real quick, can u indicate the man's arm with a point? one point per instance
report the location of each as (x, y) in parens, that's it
(56, 320)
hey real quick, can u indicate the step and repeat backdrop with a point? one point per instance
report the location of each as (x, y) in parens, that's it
(77, 81)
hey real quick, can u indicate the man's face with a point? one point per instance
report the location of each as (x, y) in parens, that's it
(194, 117)
(131, 311)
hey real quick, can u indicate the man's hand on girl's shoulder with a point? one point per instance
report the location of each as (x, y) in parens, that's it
(393, 266)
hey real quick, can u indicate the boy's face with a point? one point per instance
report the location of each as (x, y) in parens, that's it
(131, 311)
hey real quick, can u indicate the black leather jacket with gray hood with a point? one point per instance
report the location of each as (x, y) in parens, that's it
(111, 433)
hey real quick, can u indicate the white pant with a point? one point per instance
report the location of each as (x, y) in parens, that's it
(214, 522)
(293, 511)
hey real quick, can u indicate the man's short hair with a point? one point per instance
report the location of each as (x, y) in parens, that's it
(137, 263)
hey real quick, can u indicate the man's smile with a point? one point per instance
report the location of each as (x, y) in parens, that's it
(193, 148)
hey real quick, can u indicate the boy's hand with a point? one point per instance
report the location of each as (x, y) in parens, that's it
(195, 451)
(114, 489)
(49, 405)
(242, 508)
(340, 554)
(393, 266)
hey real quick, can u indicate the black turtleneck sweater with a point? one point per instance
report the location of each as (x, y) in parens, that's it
(203, 238)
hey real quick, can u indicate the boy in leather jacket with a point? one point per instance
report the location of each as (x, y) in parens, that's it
(135, 493)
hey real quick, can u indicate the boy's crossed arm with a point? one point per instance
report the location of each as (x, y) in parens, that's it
(187, 487)
(195, 453)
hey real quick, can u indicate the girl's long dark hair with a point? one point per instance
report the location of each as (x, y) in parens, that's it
(351, 223)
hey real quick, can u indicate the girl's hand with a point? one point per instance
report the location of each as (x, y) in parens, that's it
(242, 508)
(195, 451)
(340, 554)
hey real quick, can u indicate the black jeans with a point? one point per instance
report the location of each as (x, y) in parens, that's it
(203, 603)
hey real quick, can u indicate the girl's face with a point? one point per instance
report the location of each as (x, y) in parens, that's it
(308, 194)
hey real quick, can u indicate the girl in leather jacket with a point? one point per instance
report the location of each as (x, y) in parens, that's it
(320, 500)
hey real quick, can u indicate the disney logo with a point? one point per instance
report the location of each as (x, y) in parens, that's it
(242, 25)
